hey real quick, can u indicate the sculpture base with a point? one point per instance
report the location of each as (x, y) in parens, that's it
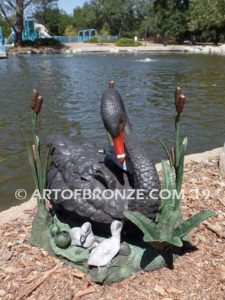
(133, 256)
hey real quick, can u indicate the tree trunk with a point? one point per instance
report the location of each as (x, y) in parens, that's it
(18, 26)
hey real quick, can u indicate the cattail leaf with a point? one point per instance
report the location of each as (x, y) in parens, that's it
(169, 215)
(180, 169)
(167, 224)
(168, 177)
(38, 162)
(146, 225)
(31, 160)
(45, 170)
(167, 152)
(176, 241)
(177, 138)
(192, 222)
(38, 144)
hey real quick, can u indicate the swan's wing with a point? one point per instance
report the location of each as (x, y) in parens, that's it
(103, 253)
(75, 161)
(79, 166)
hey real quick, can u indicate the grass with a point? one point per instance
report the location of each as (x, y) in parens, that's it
(100, 41)
(123, 42)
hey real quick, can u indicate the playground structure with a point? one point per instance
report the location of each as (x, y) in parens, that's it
(85, 36)
(30, 32)
(2, 45)
(33, 31)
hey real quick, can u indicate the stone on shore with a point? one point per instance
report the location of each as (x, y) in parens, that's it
(222, 162)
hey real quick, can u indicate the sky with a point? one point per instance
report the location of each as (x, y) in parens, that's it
(69, 5)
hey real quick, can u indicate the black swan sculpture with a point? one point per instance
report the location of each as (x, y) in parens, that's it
(82, 166)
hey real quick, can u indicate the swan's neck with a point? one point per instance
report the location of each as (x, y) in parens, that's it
(145, 174)
(116, 236)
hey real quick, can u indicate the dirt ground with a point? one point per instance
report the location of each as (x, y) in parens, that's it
(30, 273)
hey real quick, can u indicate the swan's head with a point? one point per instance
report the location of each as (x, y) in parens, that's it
(116, 227)
(86, 228)
(114, 117)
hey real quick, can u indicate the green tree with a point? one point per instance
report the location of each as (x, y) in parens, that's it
(122, 16)
(54, 19)
(12, 11)
(6, 29)
(85, 17)
(207, 17)
(166, 18)
(118, 16)
(70, 31)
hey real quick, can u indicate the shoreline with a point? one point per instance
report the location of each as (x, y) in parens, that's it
(3, 55)
(79, 48)
(18, 212)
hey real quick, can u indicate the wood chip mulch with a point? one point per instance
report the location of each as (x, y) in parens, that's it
(30, 273)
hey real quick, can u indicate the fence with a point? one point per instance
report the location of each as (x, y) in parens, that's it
(2, 42)
(100, 38)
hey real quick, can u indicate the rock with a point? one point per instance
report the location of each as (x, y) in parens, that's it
(124, 249)
(2, 293)
(158, 289)
(6, 255)
(222, 162)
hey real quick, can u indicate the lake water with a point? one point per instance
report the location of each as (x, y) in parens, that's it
(72, 87)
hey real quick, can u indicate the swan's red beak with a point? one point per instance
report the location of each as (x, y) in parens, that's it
(119, 147)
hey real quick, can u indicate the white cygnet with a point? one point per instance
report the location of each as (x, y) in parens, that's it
(82, 236)
(107, 249)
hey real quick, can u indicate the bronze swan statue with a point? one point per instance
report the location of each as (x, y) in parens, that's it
(80, 165)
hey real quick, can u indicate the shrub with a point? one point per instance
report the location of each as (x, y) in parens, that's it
(48, 42)
(125, 42)
(94, 40)
(70, 31)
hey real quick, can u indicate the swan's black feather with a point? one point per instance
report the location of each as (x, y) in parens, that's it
(79, 166)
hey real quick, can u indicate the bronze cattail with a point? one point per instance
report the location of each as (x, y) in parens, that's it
(111, 84)
(34, 152)
(179, 100)
(177, 93)
(34, 97)
(38, 105)
(180, 105)
(173, 156)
